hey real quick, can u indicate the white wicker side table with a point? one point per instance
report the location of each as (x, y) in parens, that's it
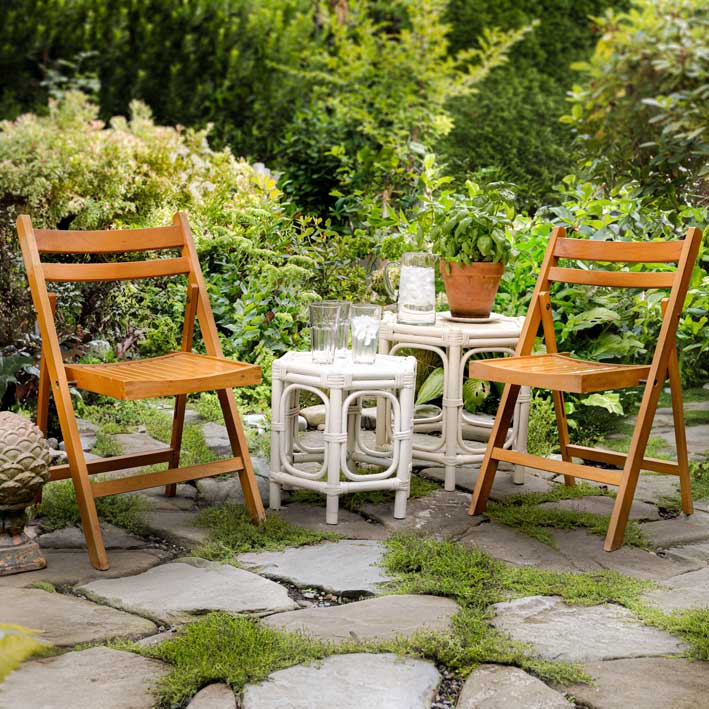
(455, 343)
(341, 386)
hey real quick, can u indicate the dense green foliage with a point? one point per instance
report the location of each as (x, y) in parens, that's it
(643, 110)
(512, 123)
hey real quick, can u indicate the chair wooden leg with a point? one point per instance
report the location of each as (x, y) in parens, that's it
(633, 463)
(486, 476)
(563, 428)
(239, 447)
(82, 485)
(685, 484)
(178, 425)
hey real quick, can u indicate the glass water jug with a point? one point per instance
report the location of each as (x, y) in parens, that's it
(416, 298)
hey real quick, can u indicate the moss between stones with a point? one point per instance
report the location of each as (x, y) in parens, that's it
(106, 445)
(523, 512)
(194, 449)
(59, 508)
(231, 532)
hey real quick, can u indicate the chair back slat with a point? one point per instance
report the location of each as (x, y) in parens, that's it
(619, 251)
(108, 242)
(122, 271)
(613, 279)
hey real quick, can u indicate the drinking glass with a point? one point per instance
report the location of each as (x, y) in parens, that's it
(323, 331)
(343, 327)
(365, 332)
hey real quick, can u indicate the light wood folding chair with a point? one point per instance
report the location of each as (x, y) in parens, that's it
(175, 374)
(561, 373)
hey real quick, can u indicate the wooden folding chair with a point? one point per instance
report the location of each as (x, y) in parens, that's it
(175, 374)
(561, 373)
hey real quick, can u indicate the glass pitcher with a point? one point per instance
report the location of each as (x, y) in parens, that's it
(416, 297)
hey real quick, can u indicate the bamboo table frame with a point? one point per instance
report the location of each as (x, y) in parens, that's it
(455, 343)
(341, 386)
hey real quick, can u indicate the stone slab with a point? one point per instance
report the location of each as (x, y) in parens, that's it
(67, 568)
(689, 590)
(584, 552)
(73, 538)
(514, 547)
(678, 531)
(213, 491)
(67, 621)
(581, 633)
(381, 618)
(214, 696)
(349, 524)
(137, 443)
(375, 681)
(692, 553)
(697, 437)
(603, 505)
(501, 687)
(647, 682)
(185, 498)
(314, 415)
(217, 439)
(349, 567)
(175, 526)
(97, 678)
(178, 591)
(654, 488)
(442, 515)
(503, 487)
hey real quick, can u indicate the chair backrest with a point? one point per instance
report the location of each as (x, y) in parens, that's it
(683, 253)
(38, 242)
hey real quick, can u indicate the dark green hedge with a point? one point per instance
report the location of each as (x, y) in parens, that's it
(513, 122)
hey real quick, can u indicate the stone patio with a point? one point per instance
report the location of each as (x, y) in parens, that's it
(337, 591)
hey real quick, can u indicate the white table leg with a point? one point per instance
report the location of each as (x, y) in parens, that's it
(383, 416)
(406, 433)
(333, 430)
(277, 430)
(452, 404)
(522, 414)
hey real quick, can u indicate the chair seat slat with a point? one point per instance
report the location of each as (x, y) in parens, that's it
(123, 271)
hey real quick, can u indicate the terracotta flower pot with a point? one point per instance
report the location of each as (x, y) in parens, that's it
(471, 288)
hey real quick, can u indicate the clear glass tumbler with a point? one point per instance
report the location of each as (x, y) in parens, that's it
(343, 327)
(324, 318)
(365, 321)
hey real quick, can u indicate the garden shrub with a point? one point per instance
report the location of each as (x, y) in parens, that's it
(641, 111)
(512, 122)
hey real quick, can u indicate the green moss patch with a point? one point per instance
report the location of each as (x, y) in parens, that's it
(59, 508)
(194, 448)
(232, 532)
(524, 513)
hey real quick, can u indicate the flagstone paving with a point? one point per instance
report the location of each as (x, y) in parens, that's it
(176, 592)
(97, 678)
(497, 687)
(381, 618)
(349, 567)
(581, 633)
(145, 585)
(376, 681)
(689, 590)
(647, 682)
(67, 621)
(214, 696)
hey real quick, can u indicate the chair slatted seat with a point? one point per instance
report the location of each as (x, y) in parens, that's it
(562, 374)
(174, 374)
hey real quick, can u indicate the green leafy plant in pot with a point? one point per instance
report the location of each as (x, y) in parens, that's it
(472, 239)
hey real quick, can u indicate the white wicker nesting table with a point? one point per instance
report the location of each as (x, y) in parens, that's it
(341, 386)
(455, 343)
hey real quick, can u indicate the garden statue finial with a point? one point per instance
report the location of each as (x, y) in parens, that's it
(24, 468)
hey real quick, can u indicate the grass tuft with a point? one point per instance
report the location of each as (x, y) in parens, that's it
(232, 532)
(59, 508)
(523, 513)
(106, 446)
(194, 448)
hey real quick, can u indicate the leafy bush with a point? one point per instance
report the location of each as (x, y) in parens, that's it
(512, 122)
(642, 112)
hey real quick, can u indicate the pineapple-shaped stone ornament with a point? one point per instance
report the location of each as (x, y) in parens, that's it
(24, 468)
